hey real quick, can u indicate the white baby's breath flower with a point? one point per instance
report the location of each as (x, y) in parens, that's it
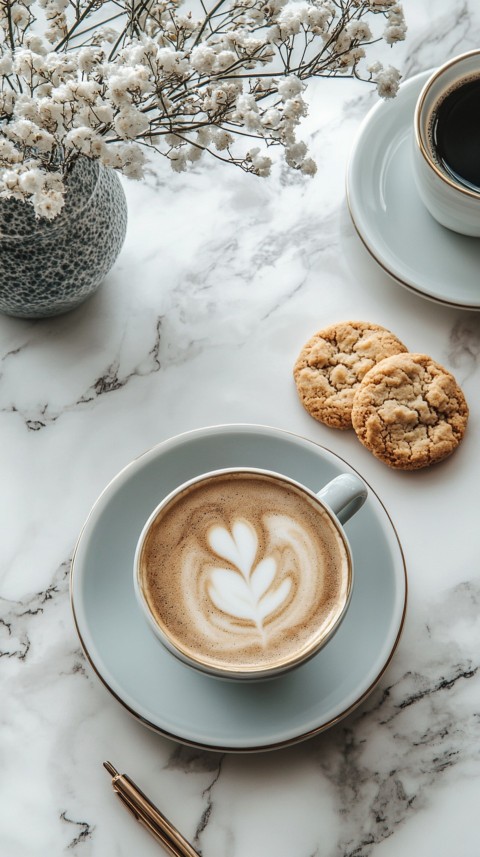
(49, 112)
(295, 108)
(31, 135)
(19, 15)
(394, 33)
(88, 58)
(103, 112)
(126, 83)
(54, 181)
(290, 19)
(172, 62)
(7, 102)
(53, 6)
(111, 157)
(85, 90)
(140, 52)
(10, 180)
(351, 58)
(31, 181)
(215, 98)
(223, 60)
(272, 8)
(274, 35)
(127, 157)
(35, 43)
(48, 204)
(174, 140)
(289, 87)
(84, 140)
(60, 68)
(118, 93)
(343, 42)
(6, 63)
(193, 153)
(388, 81)
(309, 167)
(271, 118)
(43, 90)
(245, 103)
(130, 123)
(358, 31)
(178, 160)
(44, 142)
(9, 153)
(23, 130)
(222, 139)
(63, 93)
(295, 153)
(26, 108)
(260, 163)
(252, 121)
(26, 62)
(318, 18)
(395, 14)
(57, 30)
(203, 59)
(205, 136)
(107, 35)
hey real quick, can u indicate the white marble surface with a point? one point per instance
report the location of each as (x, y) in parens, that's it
(221, 280)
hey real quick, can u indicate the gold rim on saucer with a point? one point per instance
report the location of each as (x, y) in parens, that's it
(263, 747)
(416, 290)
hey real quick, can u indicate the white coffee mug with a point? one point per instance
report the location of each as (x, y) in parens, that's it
(451, 203)
(331, 507)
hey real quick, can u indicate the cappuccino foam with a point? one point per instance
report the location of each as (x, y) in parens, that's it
(243, 570)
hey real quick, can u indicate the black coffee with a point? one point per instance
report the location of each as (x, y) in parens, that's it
(456, 134)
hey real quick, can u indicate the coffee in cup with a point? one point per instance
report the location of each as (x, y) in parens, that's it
(244, 573)
(454, 132)
(447, 144)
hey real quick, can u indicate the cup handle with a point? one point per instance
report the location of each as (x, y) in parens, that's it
(344, 495)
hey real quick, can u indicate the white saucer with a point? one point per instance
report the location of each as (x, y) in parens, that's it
(181, 703)
(390, 217)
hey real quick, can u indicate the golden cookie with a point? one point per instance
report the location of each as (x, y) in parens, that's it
(332, 363)
(409, 411)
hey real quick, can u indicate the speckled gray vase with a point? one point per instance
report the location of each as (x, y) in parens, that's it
(49, 267)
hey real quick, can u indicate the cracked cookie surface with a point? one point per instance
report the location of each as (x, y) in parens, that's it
(332, 363)
(409, 411)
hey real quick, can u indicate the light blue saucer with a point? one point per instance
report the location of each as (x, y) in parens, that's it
(390, 217)
(179, 702)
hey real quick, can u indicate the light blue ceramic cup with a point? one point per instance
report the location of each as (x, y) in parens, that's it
(340, 499)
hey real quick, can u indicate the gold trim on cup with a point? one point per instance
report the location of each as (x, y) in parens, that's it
(418, 135)
(289, 742)
(242, 672)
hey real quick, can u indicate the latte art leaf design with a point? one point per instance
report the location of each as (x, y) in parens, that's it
(249, 593)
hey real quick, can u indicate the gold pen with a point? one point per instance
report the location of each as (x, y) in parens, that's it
(147, 814)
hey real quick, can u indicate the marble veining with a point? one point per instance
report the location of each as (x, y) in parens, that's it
(221, 280)
(419, 723)
(464, 351)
